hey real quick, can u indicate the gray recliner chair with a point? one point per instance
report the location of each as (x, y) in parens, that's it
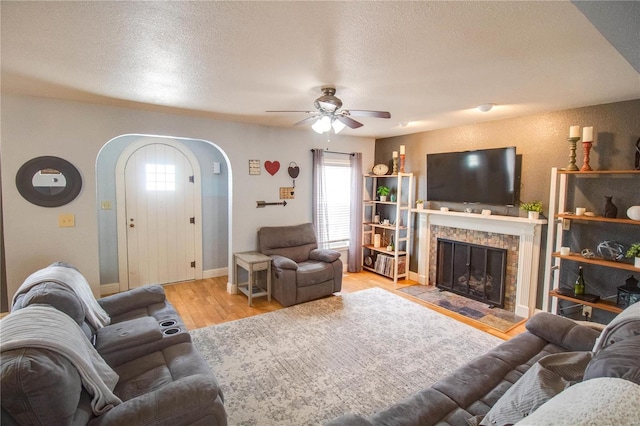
(300, 271)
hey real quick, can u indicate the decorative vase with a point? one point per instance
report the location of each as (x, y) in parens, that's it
(633, 212)
(393, 198)
(534, 215)
(610, 209)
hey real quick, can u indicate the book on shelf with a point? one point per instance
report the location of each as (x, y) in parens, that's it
(385, 265)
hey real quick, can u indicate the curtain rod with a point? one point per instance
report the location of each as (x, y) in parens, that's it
(334, 152)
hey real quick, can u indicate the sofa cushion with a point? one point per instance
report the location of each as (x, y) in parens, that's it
(324, 255)
(294, 242)
(621, 359)
(601, 401)
(547, 378)
(127, 334)
(39, 387)
(562, 332)
(313, 272)
(55, 295)
(282, 262)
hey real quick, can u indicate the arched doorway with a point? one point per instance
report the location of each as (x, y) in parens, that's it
(210, 230)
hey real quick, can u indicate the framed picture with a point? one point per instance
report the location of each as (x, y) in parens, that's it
(254, 167)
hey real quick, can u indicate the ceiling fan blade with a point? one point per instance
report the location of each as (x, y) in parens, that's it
(348, 121)
(365, 113)
(311, 117)
(306, 112)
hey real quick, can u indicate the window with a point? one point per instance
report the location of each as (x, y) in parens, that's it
(337, 171)
(161, 177)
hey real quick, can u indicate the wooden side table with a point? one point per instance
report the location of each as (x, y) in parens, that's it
(252, 261)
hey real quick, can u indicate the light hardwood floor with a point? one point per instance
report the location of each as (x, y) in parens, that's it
(206, 302)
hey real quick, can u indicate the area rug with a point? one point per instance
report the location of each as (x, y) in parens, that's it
(313, 362)
(496, 318)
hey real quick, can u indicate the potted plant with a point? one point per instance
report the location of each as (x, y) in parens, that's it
(533, 208)
(634, 251)
(383, 192)
(419, 204)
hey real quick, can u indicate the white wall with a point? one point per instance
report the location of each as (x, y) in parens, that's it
(33, 127)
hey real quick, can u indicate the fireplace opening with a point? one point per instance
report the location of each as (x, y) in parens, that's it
(471, 270)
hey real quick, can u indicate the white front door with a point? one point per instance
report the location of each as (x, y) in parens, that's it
(160, 216)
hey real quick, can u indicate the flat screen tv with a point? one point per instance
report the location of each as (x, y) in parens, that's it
(486, 176)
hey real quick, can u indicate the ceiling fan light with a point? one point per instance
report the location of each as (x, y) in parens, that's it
(323, 124)
(337, 125)
(486, 107)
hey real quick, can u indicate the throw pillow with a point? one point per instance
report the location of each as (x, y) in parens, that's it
(545, 379)
(618, 360)
(601, 401)
(623, 326)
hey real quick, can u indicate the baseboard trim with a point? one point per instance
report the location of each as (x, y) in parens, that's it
(414, 276)
(213, 273)
(112, 288)
(106, 289)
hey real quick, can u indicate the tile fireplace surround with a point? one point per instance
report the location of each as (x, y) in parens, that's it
(492, 230)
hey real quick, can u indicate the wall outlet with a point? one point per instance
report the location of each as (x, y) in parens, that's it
(67, 220)
(587, 311)
(106, 205)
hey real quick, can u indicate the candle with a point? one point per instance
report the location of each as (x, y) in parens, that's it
(376, 240)
(587, 134)
(401, 149)
(395, 154)
(574, 131)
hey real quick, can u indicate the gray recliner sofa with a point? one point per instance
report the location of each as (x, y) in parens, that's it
(300, 271)
(474, 392)
(162, 379)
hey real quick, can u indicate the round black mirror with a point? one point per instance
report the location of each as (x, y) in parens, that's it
(48, 181)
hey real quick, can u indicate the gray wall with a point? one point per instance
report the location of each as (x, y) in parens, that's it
(77, 131)
(541, 140)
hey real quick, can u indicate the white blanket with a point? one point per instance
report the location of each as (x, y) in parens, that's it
(74, 281)
(44, 327)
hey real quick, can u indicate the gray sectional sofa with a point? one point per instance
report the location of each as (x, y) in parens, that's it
(144, 355)
(554, 374)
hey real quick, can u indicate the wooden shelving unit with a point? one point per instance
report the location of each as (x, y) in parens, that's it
(595, 219)
(393, 264)
(558, 203)
(605, 305)
(597, 261)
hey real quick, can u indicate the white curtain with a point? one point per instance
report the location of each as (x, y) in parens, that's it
(355, 237)
(320, 213)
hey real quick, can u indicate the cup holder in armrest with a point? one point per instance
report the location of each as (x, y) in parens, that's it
(171, 331)
(168, 323)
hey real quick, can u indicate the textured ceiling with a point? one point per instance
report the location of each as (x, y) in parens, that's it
(428, 63)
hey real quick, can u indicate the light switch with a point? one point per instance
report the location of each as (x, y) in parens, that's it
(67, 220)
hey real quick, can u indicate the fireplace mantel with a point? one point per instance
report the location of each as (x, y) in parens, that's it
(529, 232)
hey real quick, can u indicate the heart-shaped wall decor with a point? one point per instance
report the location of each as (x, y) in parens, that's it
(272, 167)
(294, 170)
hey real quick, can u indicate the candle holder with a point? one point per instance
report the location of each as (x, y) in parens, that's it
(572, 154)
(586, 146)
(395, 166)
(402, 163)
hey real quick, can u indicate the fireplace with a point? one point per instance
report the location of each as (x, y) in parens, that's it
(519, 236)
(471, 270)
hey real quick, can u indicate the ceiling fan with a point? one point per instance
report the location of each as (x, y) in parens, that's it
(328, 114)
